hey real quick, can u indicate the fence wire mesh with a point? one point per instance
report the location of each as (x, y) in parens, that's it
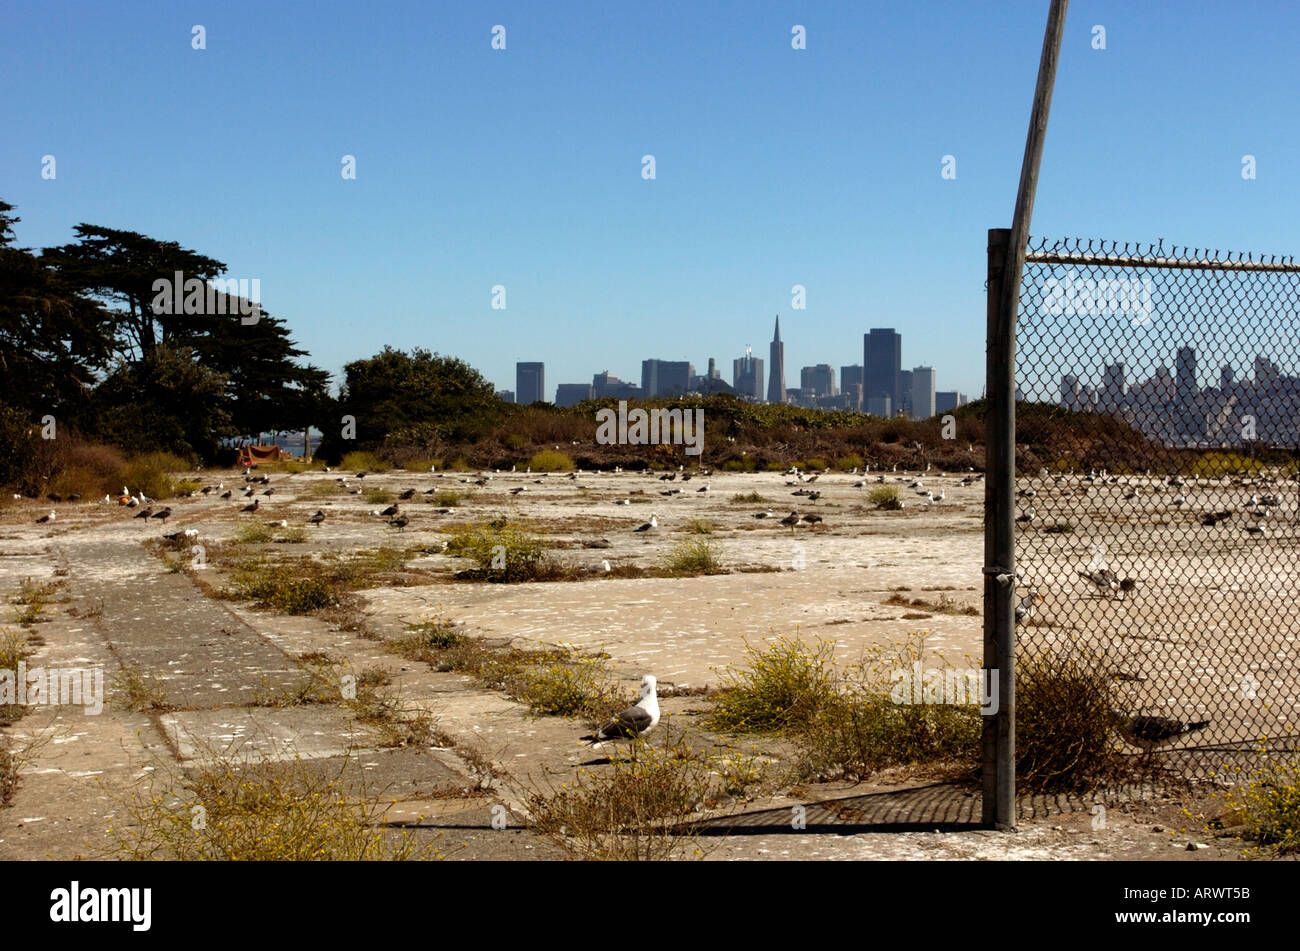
(1158, 506)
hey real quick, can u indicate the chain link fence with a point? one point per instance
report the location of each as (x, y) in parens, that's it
(1157, 499)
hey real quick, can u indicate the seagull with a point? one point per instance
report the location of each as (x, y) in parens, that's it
(46, 518)
(408, 494)
(811, 519)
(1150, 732)
(704, 488)
(390, 511)
(763, 515)
(1103, 578)
(791, 520)
(400, 522)
(622, 501)
(227, 494)
(1026, 519)
(636, 721)
(164, 514)
(144, 513)
(246, 508)
(1025, 608)
(1127, 585)
(317, 518)
(653, 523)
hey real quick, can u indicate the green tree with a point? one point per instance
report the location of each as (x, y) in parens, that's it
(420, 397)
(52, 338)
(167, 401)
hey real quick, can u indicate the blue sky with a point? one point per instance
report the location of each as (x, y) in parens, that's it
(522, 167)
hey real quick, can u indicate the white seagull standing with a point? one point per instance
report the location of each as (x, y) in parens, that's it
(636, 721)
(653, 523)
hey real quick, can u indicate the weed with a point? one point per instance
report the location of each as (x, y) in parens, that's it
(141, 692)
(692, 556)
(639, 809)
(781, 690)
(551, 460)
(1267, 801)
(885, 497)
(1065, 721)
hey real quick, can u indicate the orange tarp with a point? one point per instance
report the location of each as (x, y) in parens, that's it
(251, 455)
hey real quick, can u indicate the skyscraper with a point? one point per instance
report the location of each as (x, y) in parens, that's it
(882, 361)
(530, 383)
(818, 380)
(666, 377)
(922, 392)
(851, 381)
(1111, 396)
(1185, 375)
(776, 382)
(747, 376)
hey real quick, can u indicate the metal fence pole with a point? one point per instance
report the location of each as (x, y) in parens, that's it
(1006, 261)
(999, 738)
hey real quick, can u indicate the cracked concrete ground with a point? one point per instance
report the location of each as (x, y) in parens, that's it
(214, 663)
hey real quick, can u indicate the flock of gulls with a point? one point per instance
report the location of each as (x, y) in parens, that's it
(1189, 500)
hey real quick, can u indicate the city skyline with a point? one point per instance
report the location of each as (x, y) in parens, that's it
(917, 391)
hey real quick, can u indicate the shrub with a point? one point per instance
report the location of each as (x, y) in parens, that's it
(151, 474)
(747, 497)
(578, 688)
(692, 556)
(1267, 801)
(885, 497)
(259, 810)
(503, 554)
(363, 461)
(815, 464)
(422, 465)
(551, 460)
(1065, 722)
(448, 497)
(699, 526)
(427, 640)
(850, 461)
(859, 732)
(281, 587)
(639, 809)
(739, 465)
(782, 689)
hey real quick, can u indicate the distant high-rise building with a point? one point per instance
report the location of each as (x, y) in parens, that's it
(1266, 371)
(506, 396)
(945, 401)
(1071, 394)
(882, 362)
(852, 376)
(1226, 377)
(818, 380)
(666, 377)
(1185, 375)
(1111, 396)
(747, 376)
(607, 384)
(530, 383)
(922, 392)
(878, 406)
(903, 404)
(776, 382)
(714, 373)
(571, 394)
